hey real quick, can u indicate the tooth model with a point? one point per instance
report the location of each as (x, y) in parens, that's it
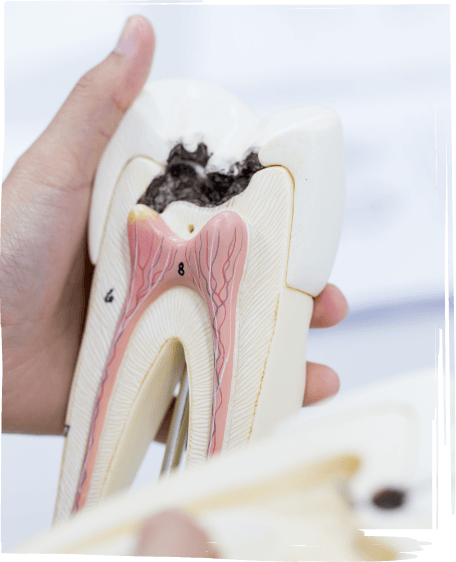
(361, 461)
(220, 277)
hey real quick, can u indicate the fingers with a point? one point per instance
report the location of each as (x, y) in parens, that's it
(79, 133)
(330, 308)
(174, 533)
(321, 382)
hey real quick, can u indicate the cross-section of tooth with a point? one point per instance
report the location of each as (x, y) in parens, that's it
(220, 288)
(212, 264)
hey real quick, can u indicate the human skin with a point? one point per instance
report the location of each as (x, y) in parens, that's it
(45, 273)
(174, 533)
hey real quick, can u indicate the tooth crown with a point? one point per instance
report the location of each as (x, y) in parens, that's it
(306, 140)
(165, 112)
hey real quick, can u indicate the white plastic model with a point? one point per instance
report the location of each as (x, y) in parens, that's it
(362, 460)
(228, 290)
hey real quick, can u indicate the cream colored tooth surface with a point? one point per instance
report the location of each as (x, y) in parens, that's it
(209, 287)
(282, 499)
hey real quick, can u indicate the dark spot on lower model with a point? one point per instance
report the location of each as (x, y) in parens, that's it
(185, 179)
(389, 498)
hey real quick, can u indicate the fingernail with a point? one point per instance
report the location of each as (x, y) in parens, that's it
(127, 40)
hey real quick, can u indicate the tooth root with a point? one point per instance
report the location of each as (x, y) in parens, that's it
(211, 264)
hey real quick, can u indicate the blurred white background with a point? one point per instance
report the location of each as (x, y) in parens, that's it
(384, 69)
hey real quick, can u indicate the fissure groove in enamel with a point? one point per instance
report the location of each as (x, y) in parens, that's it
(211, 263)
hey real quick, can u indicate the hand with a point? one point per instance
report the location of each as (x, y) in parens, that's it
(174, 533)
(44, 269)
(330, 308)
(45, 273)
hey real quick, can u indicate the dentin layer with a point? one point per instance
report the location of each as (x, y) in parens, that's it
(211, 263)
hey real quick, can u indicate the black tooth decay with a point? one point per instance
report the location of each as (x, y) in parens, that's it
(185, 179)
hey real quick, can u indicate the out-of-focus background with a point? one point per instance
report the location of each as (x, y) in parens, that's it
(384, 69)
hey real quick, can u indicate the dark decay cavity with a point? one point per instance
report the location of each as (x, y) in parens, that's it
(185, 179)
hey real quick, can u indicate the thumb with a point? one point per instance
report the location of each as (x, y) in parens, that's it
(174, 533)
(76, 138)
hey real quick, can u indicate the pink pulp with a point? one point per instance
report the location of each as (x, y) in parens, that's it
(211, 263)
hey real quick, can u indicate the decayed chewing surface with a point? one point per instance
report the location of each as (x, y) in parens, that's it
(208, 284)
(185, 179)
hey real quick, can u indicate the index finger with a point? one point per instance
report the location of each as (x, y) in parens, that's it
(330, 308)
